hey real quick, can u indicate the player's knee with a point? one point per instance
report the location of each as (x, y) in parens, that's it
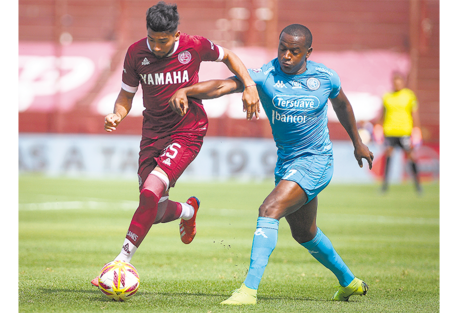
(270, 210)
(148, 199)
(302, 235)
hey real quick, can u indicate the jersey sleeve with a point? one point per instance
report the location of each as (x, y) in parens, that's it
(207, 50)
(255, 75)
(259, 75)
(130, 79)
(335, 84)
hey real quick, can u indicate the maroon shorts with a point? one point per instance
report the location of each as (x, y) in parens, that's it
(172, 154)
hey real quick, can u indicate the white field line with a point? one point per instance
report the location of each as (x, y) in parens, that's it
(74, 205)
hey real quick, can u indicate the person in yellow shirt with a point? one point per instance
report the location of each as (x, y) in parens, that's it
(400, 124)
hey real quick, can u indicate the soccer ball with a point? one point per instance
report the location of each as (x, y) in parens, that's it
(119, 280)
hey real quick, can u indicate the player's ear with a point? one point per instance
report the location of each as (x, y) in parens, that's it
(177, 35)
(309, 51)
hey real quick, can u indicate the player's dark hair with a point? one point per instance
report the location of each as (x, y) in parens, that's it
(299, 31)
(163, 17)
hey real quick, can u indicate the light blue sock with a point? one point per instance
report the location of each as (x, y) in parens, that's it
(321, 249)
(264, 242)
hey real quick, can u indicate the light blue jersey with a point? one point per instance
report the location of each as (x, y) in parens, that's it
(296, 106)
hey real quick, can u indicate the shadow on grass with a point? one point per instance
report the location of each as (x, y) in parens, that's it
(94, 290)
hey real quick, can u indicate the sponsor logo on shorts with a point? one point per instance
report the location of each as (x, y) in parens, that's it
(167, 162)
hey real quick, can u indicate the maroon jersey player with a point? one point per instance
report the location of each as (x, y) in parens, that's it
(161, 63)
(160, 75)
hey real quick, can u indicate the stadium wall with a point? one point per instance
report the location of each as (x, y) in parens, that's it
(221, 158)
(57, 35)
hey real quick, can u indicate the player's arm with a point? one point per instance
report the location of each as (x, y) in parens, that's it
(204, 90)
(345, 114)
(250, 95)
(122, 106)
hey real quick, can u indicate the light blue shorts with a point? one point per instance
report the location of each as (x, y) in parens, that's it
(312, 173)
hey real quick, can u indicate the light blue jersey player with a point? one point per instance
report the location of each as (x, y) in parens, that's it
(296, 106)
(294, 93)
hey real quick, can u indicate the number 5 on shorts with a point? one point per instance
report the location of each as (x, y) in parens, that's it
(170, 153)
(173, 147)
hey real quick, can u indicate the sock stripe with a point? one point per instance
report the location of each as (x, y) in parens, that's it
(163, 199)
(163, 177)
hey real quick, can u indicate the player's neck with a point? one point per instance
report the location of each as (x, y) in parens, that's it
(301, 70)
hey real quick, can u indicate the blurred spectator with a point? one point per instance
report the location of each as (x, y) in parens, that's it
(400, 126)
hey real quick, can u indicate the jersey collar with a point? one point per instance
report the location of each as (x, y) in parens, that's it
(177, 43)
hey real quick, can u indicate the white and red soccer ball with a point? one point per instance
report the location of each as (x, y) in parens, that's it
(119, 280)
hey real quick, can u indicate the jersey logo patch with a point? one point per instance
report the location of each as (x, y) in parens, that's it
(296, 85)
(313, 83)
(184, 57)
(145, 62)
(280, 84)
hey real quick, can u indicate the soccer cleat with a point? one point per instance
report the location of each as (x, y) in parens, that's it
(241, 296)
(188, 227)
(95, 281)
(356, 287)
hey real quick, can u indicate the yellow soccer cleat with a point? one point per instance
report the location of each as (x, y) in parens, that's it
(356, 287)
(241, 296)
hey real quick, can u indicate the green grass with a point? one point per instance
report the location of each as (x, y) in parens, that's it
(69, 228)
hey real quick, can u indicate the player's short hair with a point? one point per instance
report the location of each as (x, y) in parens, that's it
(299, 31)
(163, 17)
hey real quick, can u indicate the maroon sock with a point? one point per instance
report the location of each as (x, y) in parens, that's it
(145, 214)
(173, 212)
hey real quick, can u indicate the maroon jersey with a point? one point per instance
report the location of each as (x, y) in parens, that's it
(160, 78)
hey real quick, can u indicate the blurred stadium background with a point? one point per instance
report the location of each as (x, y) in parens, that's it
(70, 62)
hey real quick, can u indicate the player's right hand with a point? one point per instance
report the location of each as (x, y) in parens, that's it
(111, 121)
(250, 100)
(361, 151)
(179, 102)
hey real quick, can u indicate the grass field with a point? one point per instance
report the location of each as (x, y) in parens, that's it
(69, 228)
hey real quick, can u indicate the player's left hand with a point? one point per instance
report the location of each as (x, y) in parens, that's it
(250, 100)
(179, 102)
(362, 152)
